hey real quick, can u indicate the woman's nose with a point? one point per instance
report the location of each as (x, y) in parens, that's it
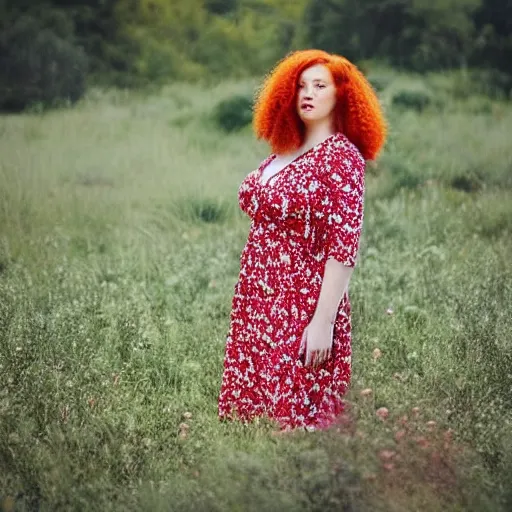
(308, 92)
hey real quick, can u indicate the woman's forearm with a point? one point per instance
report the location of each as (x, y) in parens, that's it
(334, 285)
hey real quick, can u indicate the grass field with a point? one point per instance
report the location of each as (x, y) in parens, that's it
(119, 244)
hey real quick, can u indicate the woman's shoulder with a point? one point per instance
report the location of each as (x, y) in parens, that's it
(341, 157)
(343, 150)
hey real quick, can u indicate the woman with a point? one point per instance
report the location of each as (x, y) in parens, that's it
(288, 351)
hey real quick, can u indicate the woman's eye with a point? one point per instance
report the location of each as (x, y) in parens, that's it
(320, 86)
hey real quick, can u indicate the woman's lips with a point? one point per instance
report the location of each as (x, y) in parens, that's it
(307, 107)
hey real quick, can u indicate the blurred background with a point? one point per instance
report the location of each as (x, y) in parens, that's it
(124, 136)
(53, 50)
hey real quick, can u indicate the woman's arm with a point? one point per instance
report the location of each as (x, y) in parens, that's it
(343, 209)
(316, 341)
(334, 285)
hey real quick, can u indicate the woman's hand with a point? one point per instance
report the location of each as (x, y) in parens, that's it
(317, 338)
(316, 342)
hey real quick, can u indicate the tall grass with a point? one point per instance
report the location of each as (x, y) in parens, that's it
(119, 247)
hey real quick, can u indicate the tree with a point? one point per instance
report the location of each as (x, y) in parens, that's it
(40, 65)
(418, 34)
(494, 24)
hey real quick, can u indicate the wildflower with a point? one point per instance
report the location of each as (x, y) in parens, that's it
(366, 392)
(183, 433)
(448, 437)
(187, 415)
(415, 411)
(376, 354)
(431, 424)
(399, 435)
(386, 455)
(389, 311)
(403, 420)
(435, 457)
(422, 441)
(388, 466)
(382, 413)
(64, 414)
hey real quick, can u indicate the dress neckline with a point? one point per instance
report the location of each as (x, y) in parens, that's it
(273, 156)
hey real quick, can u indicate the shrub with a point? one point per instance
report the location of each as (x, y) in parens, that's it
(412, 99)
(400, 173)
(405, 177)
(467, 182)
(221, 7)
(495, 217)
(39, 67)
(234, 113)
(490, 83)
(206, 210)
(379, 81)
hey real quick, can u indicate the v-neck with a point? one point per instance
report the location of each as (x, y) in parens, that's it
(274, 156)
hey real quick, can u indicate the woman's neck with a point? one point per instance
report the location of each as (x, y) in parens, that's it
(315, 134)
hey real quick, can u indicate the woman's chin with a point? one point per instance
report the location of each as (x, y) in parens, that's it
(313, 120)
(309, 117)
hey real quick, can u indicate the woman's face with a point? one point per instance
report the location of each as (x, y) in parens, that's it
(316, 97)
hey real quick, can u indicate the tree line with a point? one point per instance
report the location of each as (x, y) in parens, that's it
(54, 49)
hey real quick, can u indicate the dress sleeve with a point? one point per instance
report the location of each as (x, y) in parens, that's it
(343, 207)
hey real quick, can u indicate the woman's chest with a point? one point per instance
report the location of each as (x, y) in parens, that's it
(275, 166)
(290, 194)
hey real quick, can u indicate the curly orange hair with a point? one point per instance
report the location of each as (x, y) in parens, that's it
(357, 113)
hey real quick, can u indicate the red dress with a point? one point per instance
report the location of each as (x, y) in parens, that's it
(309, 211)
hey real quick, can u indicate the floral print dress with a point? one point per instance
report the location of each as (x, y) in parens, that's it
(309, 211)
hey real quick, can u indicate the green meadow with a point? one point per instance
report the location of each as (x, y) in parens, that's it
(120, 237)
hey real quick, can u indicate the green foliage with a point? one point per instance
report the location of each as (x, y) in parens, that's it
(39, 66)
(221, 7)
(486, 82)
(412, 99)
(467, 182)
(201, 209)
(193, 40)
(116, 277)
(493, 20)
(473, 84)
(379, 82)
(494, 217)
(233, 113)
(419, 35)
(404, 177)
(146, 43)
